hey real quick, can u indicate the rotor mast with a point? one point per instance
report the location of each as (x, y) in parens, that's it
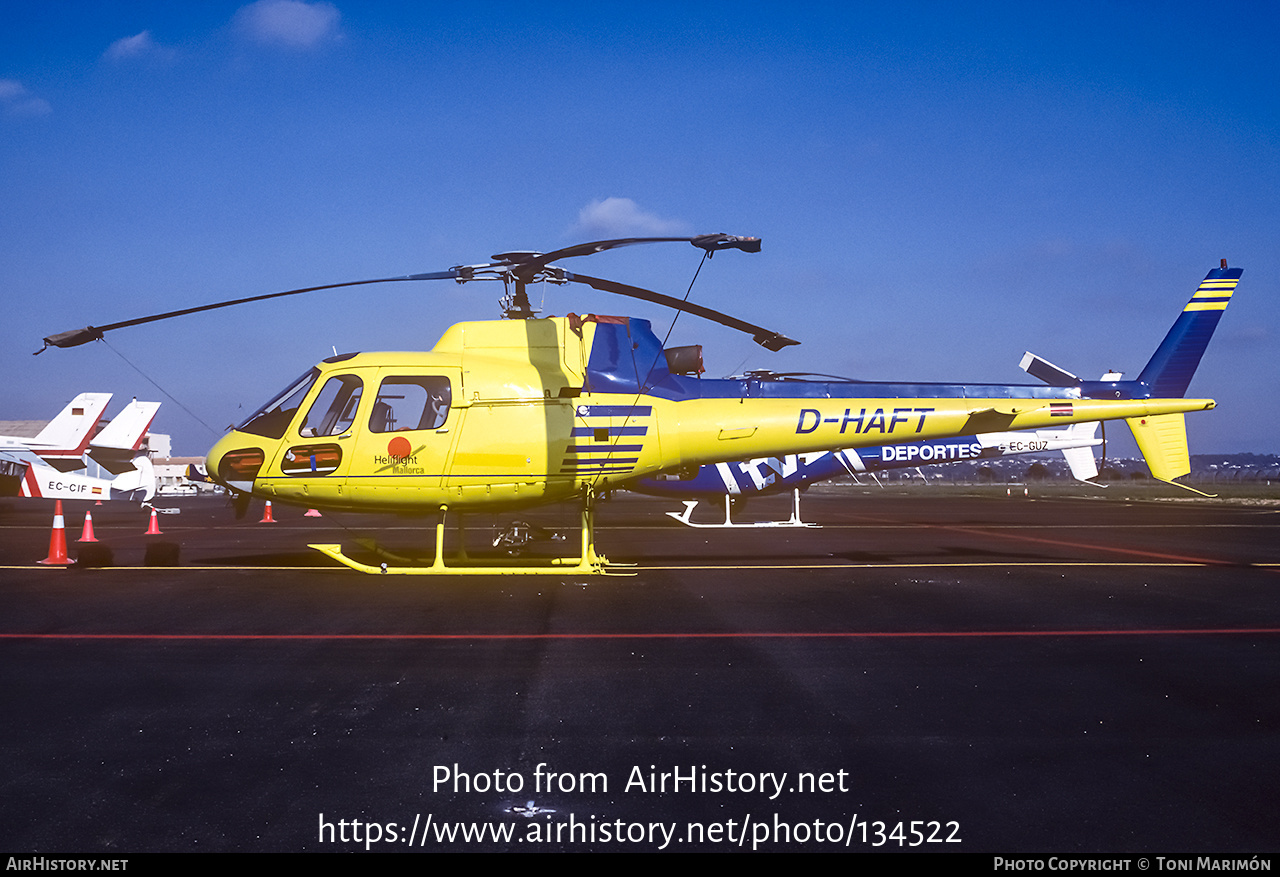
(525, 267)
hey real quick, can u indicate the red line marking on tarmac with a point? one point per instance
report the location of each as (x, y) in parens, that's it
(923, 634)
(1206, 561)
(1089, 546)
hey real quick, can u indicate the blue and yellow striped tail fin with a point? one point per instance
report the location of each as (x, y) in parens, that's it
(1171, 368)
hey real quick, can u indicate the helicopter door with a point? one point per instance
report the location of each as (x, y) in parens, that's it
(316, 454)
(404, 445)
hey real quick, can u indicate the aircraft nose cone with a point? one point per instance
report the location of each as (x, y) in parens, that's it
(214, 458)
(234, 461)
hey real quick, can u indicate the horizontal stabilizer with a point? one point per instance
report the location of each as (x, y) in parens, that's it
(1163, 441)
(1043, 370)
(63, 463)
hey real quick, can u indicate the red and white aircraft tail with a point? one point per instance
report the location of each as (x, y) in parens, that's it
(118, 445)
(66, 438)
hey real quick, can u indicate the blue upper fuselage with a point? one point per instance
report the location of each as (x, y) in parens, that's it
(623, 351)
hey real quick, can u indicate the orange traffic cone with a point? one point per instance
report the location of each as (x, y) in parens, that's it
(86, 535)
(153, 528)
(58, 540)
(312, 513)
(266, 515)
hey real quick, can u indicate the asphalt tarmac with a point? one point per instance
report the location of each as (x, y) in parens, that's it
(948, 674)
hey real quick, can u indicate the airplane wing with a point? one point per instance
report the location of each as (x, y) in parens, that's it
(1083, 465)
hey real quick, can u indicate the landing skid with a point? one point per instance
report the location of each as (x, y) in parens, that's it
(588, 562)
(690, 504)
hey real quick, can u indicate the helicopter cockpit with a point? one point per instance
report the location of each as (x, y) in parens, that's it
(273, 418)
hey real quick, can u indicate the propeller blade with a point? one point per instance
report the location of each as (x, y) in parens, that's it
(76, 337)
(766, 338)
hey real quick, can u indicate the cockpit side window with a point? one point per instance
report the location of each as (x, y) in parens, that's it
(406, 403)
(272, 419)
(334, 410)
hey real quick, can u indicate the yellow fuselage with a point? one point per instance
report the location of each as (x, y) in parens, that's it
(508, 413)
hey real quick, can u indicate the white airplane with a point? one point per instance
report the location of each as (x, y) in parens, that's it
(797, 471)
(46, 465)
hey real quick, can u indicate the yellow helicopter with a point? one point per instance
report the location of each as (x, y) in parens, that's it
(503, 414)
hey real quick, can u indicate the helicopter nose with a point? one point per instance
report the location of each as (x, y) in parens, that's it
(234, 462)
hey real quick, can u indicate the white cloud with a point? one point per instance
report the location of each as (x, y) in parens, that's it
(622, 217)
(17, 101)
(289, 22)
(137, 46)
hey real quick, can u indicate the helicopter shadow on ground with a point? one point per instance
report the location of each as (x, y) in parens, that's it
(291, 559)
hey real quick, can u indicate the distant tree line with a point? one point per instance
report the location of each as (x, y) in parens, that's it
(1205, 469)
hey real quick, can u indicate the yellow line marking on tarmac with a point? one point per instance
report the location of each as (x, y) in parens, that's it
(709, 567)
(185, 568)
(912, 525)
(978, 564)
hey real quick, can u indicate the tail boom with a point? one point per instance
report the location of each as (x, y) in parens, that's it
(709, 431)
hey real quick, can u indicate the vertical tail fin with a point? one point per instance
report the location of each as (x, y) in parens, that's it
(68, 434)
(1171, 367)
(116, 447)
(1163, 442)
(127, 430)
(139, 483)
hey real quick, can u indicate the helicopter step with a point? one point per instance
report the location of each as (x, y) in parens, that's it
(592, 565)
(588, 562)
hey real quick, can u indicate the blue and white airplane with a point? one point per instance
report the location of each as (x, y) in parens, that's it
(794, 472)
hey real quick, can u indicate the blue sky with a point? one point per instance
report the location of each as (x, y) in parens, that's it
(939, 186)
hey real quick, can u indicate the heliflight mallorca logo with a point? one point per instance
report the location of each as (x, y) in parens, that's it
(401, 458)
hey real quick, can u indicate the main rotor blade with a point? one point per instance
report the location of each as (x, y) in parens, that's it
(766, 338)
(76, 337)
(523, 267)
(526, 270)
